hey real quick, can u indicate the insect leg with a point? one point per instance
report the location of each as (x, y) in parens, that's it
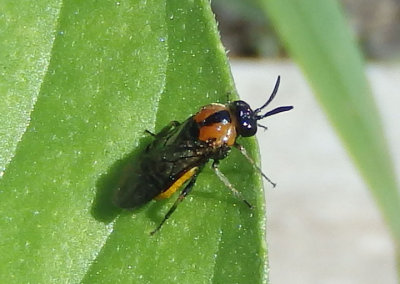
(224, 179)
(244, 153)
(180, 198)
(262, 126)
(151, 133)
(165, 130)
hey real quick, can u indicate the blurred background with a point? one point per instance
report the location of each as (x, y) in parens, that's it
(323, 225)
(246, 32)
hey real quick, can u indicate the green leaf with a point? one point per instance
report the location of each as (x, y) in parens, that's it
(316, 35)
(102, 73)
(25, 44)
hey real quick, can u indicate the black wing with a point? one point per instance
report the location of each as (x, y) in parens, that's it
(175, 150)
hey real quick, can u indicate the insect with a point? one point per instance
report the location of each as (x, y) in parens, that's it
(179, 152)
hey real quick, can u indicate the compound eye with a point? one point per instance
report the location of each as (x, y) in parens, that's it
(246, 122)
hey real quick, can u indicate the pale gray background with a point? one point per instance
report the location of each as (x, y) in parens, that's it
(323, 225)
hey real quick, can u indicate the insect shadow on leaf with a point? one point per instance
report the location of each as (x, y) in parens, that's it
(103, 208)
(177, 155)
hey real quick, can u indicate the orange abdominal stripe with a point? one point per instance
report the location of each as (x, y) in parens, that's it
(177, 184)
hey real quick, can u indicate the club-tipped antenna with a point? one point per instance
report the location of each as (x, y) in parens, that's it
(274, 92)
(274, 111)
